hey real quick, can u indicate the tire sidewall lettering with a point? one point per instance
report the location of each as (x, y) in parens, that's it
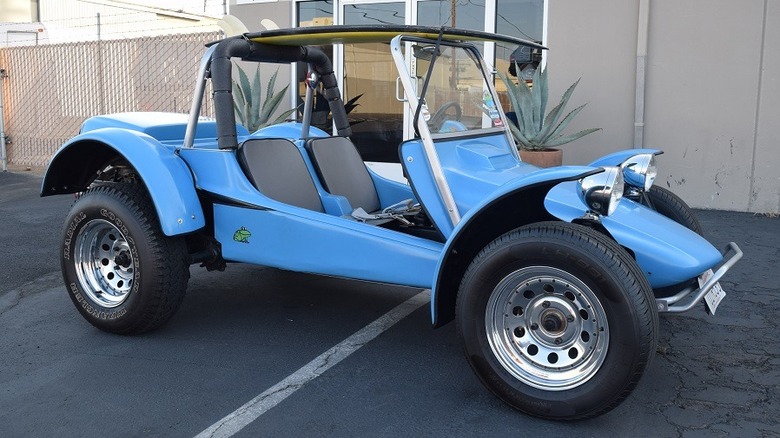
(69, 234)
(81, 219)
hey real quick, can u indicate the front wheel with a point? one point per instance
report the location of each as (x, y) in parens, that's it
(672, 206)
(122, 273)
(557, 320)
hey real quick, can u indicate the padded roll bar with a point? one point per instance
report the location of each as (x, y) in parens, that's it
(239, 47)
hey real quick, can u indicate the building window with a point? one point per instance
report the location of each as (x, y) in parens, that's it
(522, 19)
(374, 13)
(315, 13)
(463, 14)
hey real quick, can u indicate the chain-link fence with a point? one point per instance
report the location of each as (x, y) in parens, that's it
(51, 89)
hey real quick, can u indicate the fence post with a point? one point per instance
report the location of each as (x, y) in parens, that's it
(3, 156)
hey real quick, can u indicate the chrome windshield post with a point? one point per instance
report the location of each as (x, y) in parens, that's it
(425, 134)
(490, 73)
(197, 97)
(312, 80)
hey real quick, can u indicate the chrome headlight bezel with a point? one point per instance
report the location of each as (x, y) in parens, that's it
(640, 171)
(603, 191)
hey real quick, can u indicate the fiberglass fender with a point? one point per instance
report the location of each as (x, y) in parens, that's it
(166, 177)
(617, 158)
(515, 203)
(668, 253)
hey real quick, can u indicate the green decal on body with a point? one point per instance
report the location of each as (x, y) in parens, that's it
(242, 235)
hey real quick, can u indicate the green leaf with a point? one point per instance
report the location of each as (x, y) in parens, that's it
(525, 108)
(239, 103)
(272, 105)
(518, 135)
(246, 89)
(269, 92)
(536, 95)
(551, 121)
(558, 130)
(513, 93)
(570, 138)
(283, 116)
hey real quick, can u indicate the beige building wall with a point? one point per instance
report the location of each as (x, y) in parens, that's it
(17, 11)
(712, 98)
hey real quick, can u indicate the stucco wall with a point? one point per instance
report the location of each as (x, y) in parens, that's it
(17, 11)
(712, 98)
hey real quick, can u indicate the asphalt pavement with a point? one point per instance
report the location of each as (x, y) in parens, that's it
(242, 331)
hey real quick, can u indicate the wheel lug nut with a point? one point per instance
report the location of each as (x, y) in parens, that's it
(570, 318)
(534, 326)
(545, 304)
(557, 341)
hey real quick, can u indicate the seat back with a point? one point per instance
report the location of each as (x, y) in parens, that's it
(276, 168)
(342, 171)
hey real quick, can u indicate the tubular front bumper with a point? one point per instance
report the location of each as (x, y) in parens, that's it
(690, 296)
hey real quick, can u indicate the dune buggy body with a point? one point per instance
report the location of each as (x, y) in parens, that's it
(575, 254)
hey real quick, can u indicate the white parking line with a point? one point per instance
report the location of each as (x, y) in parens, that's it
(241, 417)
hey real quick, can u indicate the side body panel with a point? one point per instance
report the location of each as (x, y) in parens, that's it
(293, 238)
(307, 241)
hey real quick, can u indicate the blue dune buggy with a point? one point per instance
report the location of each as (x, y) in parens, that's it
(555, 277)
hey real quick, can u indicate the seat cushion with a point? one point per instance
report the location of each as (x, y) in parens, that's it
(276, 168)
(342, 171)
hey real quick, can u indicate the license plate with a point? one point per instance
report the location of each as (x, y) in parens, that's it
(714, 296)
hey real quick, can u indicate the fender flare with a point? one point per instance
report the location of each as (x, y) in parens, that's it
(166, 177)
(514, 204)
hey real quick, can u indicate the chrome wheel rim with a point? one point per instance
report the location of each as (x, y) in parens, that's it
(547, 328)
(104, 263)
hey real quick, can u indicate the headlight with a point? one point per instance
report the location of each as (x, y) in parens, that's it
(602, 192)
(639, 171)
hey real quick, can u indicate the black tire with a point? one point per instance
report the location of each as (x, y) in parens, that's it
(672, 206)
(540, 275)
(122, 273)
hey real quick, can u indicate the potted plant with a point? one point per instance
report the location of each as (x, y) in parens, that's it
(538, 134)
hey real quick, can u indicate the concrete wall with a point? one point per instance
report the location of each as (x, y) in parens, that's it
(712, 98)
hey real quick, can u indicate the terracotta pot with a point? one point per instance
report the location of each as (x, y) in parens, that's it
(542, 158)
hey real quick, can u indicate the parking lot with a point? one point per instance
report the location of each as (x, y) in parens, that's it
(248, 329)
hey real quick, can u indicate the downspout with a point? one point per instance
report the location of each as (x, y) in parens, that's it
(641, 60)
(3, 156)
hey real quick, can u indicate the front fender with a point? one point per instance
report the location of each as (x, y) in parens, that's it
(666, 251)
(617, 158)
(166, 177)
(513, 204)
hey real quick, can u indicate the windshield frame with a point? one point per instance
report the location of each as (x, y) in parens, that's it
(410, 88)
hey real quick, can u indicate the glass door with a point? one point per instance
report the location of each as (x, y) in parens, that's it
(368, 81)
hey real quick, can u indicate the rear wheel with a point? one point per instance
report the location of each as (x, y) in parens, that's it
(557, 320)
(122, 273)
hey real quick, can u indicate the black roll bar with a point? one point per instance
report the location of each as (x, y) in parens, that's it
(240, 47)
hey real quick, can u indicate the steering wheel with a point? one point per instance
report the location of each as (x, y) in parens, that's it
(438, 118)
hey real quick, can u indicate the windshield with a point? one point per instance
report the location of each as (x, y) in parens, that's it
(457, 97)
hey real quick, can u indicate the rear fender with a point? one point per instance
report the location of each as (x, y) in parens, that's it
(166, 177)
(512, 205)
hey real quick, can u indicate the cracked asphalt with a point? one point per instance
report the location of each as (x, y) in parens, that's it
(242, 331)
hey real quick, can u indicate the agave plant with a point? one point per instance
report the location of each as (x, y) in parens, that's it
(535, 130)
(252, 110)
